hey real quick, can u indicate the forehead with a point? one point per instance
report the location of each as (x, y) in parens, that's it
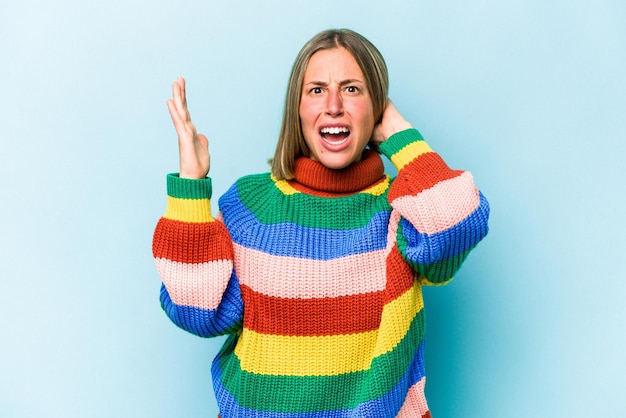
(332, 64)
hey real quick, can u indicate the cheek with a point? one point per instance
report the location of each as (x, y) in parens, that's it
(366, 119)
(306, 115)
(362, 110)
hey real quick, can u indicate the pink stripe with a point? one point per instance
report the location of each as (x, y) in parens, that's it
(291, 277)
(199, 285)
(415, 402)
(442, 206)
(392, 232)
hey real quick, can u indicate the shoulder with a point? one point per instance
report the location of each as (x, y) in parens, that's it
(252, 186)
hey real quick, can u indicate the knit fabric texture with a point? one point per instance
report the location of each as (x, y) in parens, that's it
(318, 280)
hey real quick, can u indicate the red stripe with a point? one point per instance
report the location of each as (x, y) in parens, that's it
(312, 317)
(326, 316)
(191, 242)
(400, 275)
(421, 174)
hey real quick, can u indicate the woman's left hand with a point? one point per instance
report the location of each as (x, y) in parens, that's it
(391, 123)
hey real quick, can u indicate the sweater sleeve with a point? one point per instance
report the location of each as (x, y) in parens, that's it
(438, 212)
(194, 257)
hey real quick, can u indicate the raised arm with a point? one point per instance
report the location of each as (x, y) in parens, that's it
(192, 250)
(439, 213)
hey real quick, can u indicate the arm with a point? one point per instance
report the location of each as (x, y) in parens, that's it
(194, 257)
(192, 250)
(440, 214)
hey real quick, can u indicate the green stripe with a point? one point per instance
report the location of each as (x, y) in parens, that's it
(311, 393)
(271, 206)
(188, 188)
(399, 140)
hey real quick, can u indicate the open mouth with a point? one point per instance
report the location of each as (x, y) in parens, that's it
(335, 135)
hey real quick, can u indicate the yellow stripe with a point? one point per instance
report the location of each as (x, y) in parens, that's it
(304, 356)
(284, 186)
(329, 355)
(396, 319)
(188, 210)
(409, 153)
(379, 189)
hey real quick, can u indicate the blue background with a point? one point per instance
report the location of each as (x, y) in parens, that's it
(528, 95)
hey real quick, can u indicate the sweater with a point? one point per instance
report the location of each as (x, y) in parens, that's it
(318, 280)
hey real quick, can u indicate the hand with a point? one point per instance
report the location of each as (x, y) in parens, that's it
(391, 123)
(193, 148)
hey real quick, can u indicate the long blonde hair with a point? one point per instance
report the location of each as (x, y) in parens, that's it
(291, 144)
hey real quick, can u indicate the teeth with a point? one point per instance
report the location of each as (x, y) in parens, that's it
(328, 141)
(334, 131)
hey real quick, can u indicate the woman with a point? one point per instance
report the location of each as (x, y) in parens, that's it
(315, 269)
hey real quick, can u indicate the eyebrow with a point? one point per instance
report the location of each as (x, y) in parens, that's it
(341, 83)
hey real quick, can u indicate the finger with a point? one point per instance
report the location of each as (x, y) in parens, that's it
(179, 101)
(179, 124)
(183, 90)
(183, 94)
(184, 127)
(176, 95)
(171, 107)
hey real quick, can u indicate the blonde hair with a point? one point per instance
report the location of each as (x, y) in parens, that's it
(291, 144)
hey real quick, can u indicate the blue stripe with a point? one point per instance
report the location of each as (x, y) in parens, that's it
(430, 248)
(387, 405)
(293, 240)
(225, 319)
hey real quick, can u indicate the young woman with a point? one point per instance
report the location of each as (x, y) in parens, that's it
(315, 269)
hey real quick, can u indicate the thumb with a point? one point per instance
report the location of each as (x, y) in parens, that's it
(203, 140)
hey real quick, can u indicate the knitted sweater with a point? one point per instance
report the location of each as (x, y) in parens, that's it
(318, 279)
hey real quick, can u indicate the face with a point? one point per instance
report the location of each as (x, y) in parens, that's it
(336, 111)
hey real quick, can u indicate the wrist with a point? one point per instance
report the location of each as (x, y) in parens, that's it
(403, 140)
(191, 176)
(395, 127)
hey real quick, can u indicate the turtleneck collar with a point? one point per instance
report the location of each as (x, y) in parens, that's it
(357, 176)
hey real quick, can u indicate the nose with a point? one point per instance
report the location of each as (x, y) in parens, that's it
(334, 103)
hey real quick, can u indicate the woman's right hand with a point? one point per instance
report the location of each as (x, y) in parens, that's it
(193, 147)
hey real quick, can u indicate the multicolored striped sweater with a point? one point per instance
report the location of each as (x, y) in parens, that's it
(318, 279)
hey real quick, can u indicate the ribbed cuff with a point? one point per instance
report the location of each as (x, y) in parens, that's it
(189, 188)
(396, 142)
(405, 147)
